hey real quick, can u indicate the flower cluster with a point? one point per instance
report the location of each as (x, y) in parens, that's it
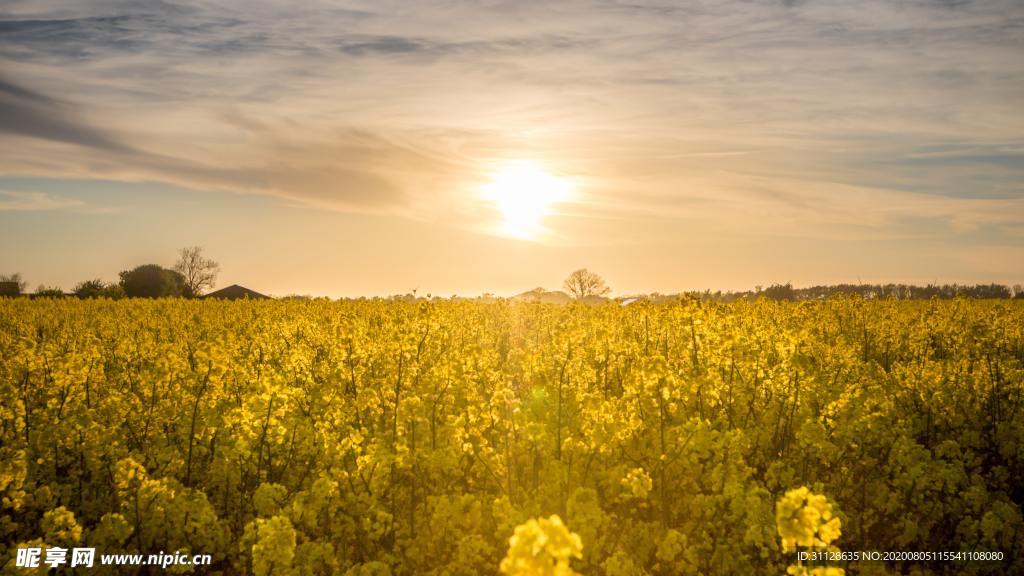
(805, 519)
(638, 482)
(542, 547)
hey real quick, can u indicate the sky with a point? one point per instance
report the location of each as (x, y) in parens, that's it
(353, 148)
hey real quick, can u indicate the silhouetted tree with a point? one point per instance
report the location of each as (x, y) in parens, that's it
(583, 283)
(98, 289)
(49, 292)
(990, 291)
(89, 288)
(200, 273)
(779, 292)
(113, 291)
(153, 281)
(12, 285)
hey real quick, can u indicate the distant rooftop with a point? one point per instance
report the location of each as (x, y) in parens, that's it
(542, 295)
(235, 292)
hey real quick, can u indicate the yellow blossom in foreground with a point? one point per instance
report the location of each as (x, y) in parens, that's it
(542, 547)
(805, 519)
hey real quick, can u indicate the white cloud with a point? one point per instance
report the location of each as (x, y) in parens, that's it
(11, 201)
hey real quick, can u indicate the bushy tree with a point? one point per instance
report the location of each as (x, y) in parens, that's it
(779, 292)
(97, 288)
(89, 288)
(49, 291)
(153, 281)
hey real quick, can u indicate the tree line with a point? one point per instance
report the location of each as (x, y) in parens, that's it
(190, 277)
(867, 291)
(193, 274)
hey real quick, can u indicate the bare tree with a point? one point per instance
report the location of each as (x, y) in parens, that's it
(583, 283)
(200, 273)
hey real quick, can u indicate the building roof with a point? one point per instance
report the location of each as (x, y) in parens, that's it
(10, 288)
(542, 295)
(235, 292)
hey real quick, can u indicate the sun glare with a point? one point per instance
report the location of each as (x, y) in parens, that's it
(524, 193)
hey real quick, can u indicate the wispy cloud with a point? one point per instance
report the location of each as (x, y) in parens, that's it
(854, 116)
(24, 112)
(11, 201)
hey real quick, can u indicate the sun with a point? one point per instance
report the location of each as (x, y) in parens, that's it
(524, 193)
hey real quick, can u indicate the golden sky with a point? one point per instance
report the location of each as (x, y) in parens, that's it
(347, 148)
